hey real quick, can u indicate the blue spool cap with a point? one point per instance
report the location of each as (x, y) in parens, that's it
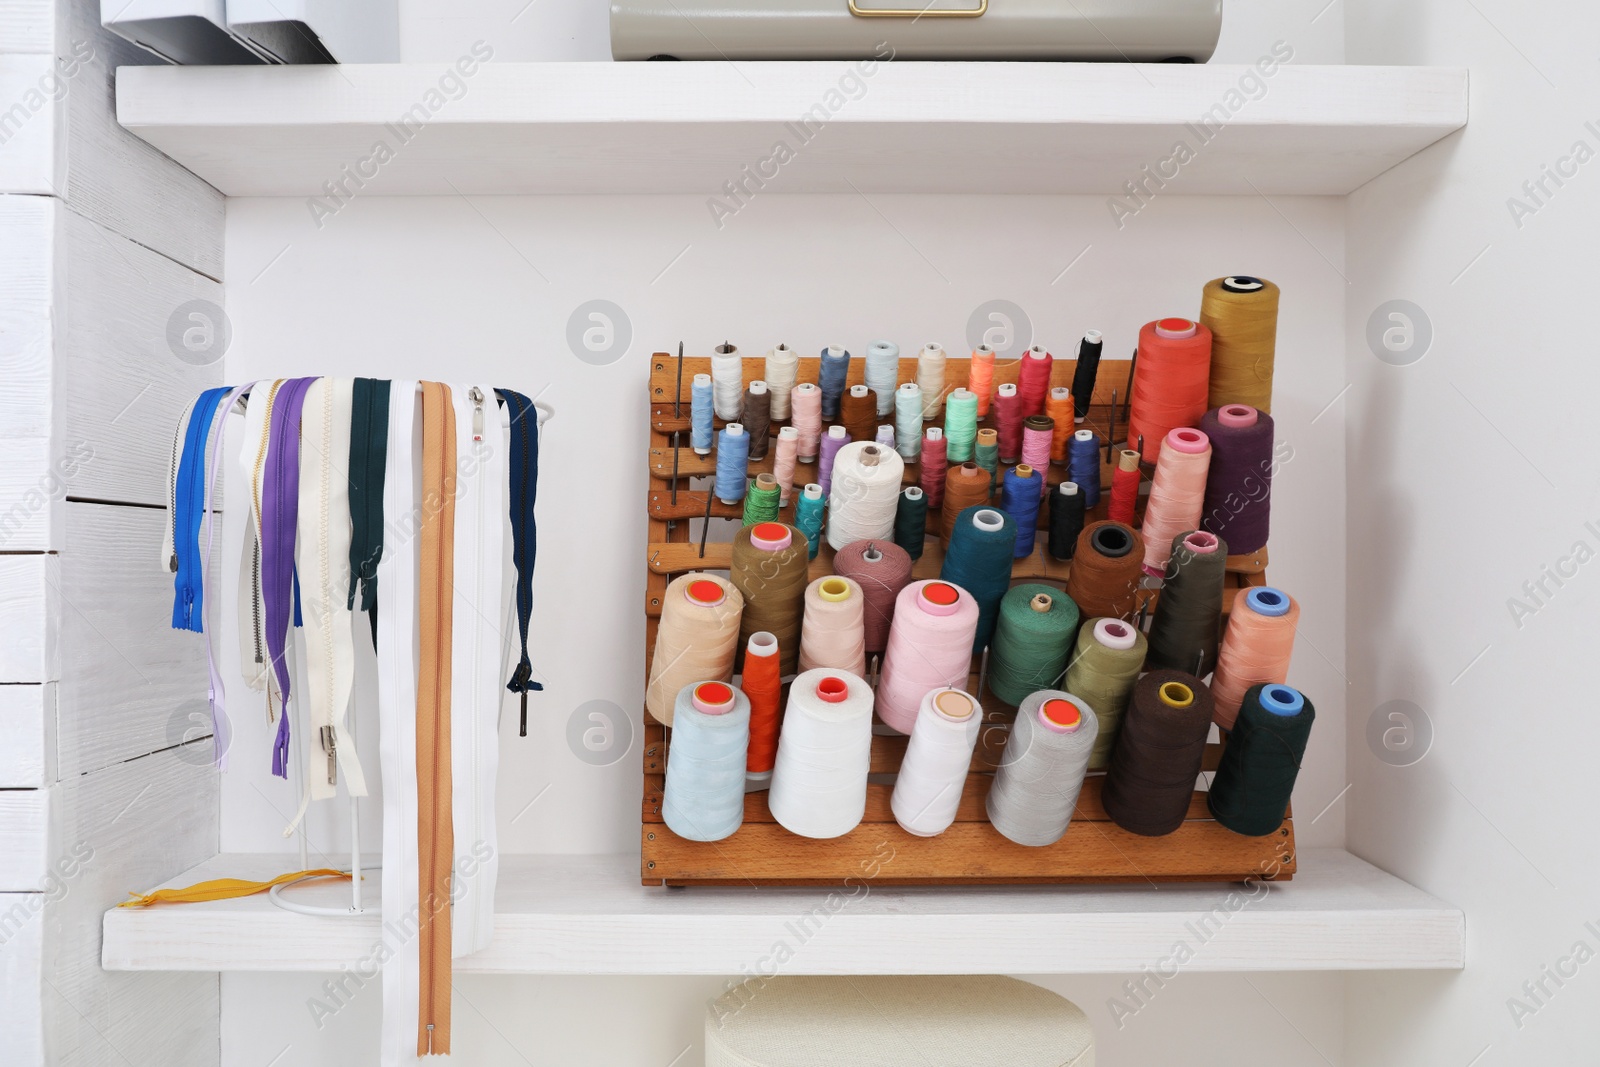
(1284, 700)
(1265, 600)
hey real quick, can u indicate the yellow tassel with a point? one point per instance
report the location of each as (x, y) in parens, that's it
(221, 889)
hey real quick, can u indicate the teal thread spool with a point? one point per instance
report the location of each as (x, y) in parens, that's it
(1261, 760)
(1032, 642)
(808, 515)
(911, 521)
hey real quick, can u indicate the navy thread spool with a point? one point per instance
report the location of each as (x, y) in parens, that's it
(1261, 760)
(911, 521)
(978, 560)
(1083, 465)
(1083, 375)
(831, 376)
(1066, 519)
(733, 458)
(703, 799)
(1019, 498)
(1238, 502)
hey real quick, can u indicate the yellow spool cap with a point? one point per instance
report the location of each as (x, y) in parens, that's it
(834, 590)
(1176, 694)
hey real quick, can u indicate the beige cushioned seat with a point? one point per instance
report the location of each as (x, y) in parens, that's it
(881, 1021)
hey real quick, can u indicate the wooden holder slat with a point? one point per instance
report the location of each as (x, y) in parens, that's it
(970, 852)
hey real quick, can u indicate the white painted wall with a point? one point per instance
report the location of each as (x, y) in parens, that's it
(1471, 472)
(457, 289)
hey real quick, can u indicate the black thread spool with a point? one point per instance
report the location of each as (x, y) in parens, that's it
(1085, 372)
(1256, 776)
(1187, 628)
(1066, 519)
(1158, 754)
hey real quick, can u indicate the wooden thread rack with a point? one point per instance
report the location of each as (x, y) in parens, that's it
(970, 852)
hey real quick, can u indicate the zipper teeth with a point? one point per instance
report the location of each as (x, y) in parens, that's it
(255, 587)
(479, 499)
(326, 564)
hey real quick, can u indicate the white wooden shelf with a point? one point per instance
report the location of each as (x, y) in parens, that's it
(588, 915)
(690, 127)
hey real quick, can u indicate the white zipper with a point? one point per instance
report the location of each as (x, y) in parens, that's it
(476, 396)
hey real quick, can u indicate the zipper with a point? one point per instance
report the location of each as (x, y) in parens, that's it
(172, 496)
(255, 562)
(520, 555)
(475, 900)
(326, 577)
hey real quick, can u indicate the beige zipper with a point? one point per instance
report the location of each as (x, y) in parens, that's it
(435, 830)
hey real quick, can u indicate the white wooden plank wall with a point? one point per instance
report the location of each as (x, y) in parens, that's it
(74, 148)
(106, 242)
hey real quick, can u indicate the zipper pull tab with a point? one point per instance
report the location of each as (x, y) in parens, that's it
(172, 562)
(523, 732)
(328, 744)
(476, 396)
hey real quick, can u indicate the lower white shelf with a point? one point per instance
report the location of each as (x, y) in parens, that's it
(589, 915)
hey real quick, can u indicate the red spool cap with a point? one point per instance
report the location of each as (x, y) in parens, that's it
(706, 592)
(833, 690)
(770, 531)
(1063, 713)
(714, 692)
(941, 594)
(1175, 325)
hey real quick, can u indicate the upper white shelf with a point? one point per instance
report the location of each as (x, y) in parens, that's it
(691, 127)
(589, 915)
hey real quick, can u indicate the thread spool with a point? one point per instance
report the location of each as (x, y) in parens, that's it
(762, 684)
(703, 799)
(1033, 380)
(933, 466)
(865, 494)
(1242, 314)
(965, 486)
(733, 459)
(1106, 570)
(783, 368)
(1085, 372)
(911, 521)
(696, 639)
(859, 413)
(783, 461)
(768, 569)
(727, 382)
(930, 647)
(908, 421)
(1036, 786)
(1125, 488)
(986, 454)
(885, 436)
(1105, 664)
(980, 378)
(1008, 421)
(979, 561)
(1169, 382)
(832, 372)
(1255, 649)
(1033, 638)
(1187, 626)
(808, 517)
(1038, 434)
(1158, 753)
(761, 502)
(882, 372)
(1177, 494)
(1238, 503)
(930, 379)
(1019, 498)
(881, 570)
(819, 782)
(831, 634)
(701, 422)
(960, 424)
(832, 441)
(1058, 405)
(757, 418)
(1083, 465)
(1066, 520)
(1256, 776)
(927, 789)
(805, 415)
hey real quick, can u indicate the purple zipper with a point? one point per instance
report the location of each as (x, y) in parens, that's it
(280, 512)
